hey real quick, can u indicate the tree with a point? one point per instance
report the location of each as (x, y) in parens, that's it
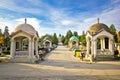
(118, 36)
(113, 29)
(82, 39)
(75, 33)
(41, 40)
(63, 39)
(67, 37)
(55, 39)
(1, 38)
(66, 41)
(6, 37)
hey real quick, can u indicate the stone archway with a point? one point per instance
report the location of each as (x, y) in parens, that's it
(21, 46)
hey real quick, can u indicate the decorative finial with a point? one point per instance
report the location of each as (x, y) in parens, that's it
(98, 20)
(25, 20)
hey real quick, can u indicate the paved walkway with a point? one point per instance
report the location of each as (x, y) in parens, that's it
(60, 65)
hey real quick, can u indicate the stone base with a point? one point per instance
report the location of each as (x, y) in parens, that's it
(22, 59)
(104, 58)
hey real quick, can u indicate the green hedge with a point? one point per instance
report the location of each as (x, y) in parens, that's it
(6, 52)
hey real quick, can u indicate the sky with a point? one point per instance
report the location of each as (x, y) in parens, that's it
(59, 16)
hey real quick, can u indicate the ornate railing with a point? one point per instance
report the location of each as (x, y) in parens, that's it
(104, 52)
(21, 53)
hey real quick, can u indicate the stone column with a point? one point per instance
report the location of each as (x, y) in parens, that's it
(21, 44)
(12, 50)
(88, 46)
(92, 47)
(50, 44)
(101, 43)
(36, 44)
(77, 44)
(111, 46)
(95, 48)
(30, 49)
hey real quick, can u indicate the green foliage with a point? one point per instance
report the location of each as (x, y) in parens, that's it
(55, 39)
(98, 44)
(82, 39)
(1, 40)
(75, 33)
(66, 41)
(6, 52)
(6, 37)
(63, 39)
(67, 37)
(41, 39)
(69, 34)
(118, 36)
(112, 28)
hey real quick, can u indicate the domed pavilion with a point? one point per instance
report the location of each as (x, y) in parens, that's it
(73, 42)
(100, 40)
(47, 42)
(24, 43)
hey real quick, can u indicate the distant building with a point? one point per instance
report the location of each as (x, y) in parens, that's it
(73, 42)
(47, 42)
(60, 40)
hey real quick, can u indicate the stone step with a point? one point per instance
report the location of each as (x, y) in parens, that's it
(104, 58)
(21, 60)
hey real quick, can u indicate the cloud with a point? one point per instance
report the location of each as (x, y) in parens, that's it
(12, 24)
(58, 20)
(28, 6)
(66, 22)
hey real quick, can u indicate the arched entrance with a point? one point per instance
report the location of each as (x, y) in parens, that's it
(21, 46)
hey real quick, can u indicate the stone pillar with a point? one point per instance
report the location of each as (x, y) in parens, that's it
(21, 44)
(103, 43)
(12, 50)
(77, 44)
(92, 47)
(88, 46)
(30, 48)
(111, 46)
(95, 48)
(36, 44)
(50, 44)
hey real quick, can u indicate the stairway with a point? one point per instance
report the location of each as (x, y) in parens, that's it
(20, 59)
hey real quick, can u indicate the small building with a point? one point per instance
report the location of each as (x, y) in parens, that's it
(47, 42)
(100, 40)
(24, 43)
(60, 40)
(73, 42)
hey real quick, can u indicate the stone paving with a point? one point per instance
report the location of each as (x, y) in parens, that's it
(60, 65)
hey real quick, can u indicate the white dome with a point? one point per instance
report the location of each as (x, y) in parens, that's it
(26, 28)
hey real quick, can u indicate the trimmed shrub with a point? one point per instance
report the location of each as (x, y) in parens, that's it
(6, 52)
